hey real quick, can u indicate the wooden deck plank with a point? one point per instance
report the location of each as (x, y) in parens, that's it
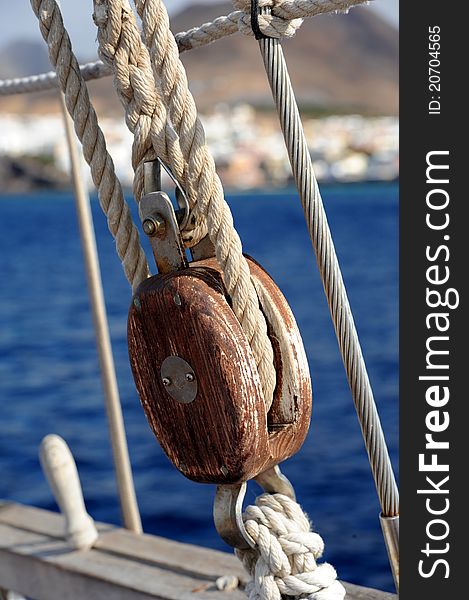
(108, 572)
(155, 550)
(37, 562)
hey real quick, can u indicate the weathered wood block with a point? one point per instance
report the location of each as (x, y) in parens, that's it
(222, 433)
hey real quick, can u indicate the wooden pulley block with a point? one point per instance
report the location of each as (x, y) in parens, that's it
(197, 378)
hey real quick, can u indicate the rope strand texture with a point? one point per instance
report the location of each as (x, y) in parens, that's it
(204, 188)
(285, 19)
(124, 54)
(178, 137)
(48, 81)
(78, 104)
(284, 560)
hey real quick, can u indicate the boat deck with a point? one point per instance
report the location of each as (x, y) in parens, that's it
(36, 561)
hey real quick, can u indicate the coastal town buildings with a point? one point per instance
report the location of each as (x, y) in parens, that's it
(247, 146)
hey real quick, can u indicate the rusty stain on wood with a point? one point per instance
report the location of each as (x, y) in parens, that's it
(224, 435)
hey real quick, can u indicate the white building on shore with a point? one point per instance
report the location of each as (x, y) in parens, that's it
(247, 146)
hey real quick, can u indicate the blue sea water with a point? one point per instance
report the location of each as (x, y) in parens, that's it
(49, 378)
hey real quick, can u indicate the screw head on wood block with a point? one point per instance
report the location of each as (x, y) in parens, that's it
(179, 379)
(198, 381)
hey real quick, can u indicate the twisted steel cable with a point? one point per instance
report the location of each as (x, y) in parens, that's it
(331, 276)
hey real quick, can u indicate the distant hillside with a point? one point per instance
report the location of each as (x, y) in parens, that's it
(349, 62)
(23, 57)
(340, 63)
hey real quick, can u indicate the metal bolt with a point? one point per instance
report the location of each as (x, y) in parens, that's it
(137, 303)
(189, 377)
(148, 227)
(177, 299)
(152, 225)
(166, 381)
(224, 470)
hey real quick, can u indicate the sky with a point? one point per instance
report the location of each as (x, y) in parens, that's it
(19, 22)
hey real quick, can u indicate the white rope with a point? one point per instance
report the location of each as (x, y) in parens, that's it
(89, 133)
(238, 20)
(284, 560)
(200, 36)
(75, 101)
(48, 81)
(125, 55)
(285, 18)
(161, 112)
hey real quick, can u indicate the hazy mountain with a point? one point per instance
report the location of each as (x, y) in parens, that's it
(18, 20)
(337, 62)
(345, 61)
(23, 57)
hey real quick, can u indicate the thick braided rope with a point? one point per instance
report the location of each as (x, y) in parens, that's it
(125, 54)
(204, 188)
(78, 104)
(284, 560)
(182, 113)
(193, 38)
(285, 19)
(122, 50)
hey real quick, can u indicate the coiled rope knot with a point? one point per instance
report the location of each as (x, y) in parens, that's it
(283, 563)
(278, 24)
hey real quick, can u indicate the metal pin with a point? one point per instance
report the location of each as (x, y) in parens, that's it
(152, 226)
